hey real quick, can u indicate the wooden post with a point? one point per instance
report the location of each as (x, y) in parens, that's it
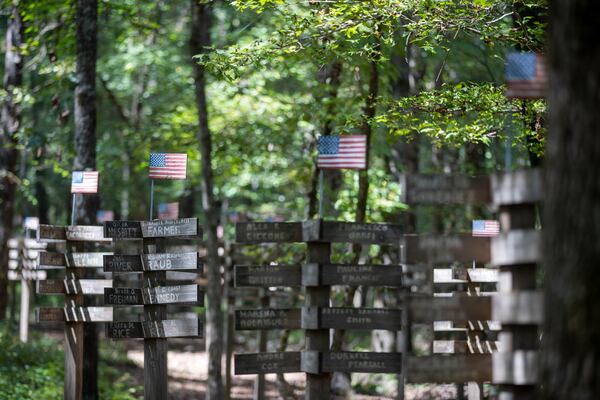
(24, 316)
(228, 292)
(155, 349)
(259, 383)
(318, 385)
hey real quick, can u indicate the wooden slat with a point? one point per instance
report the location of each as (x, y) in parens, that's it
(446, 248)
(446, 189)
(363, 275)
(267, 275)
(518, 308)
(86, 233)
(516, 247)
(464, 275)
(350, 232)
(267, 363)
(26, 274)
(180, 294)
(51, 233)
(268, 232)
(173, 228)
(458, 368)
(517, 368)
(456, 308)
(71, 286)
(449, 326)
(72, 260)
(153, 262)
(464, 347)
(175, 328)
(351, 318)
(346, 361)
(261, 319)
(74, 314)
(518, 187)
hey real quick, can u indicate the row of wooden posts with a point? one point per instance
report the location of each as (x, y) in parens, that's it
(140, 247)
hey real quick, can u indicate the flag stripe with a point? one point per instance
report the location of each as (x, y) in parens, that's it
(168, 166)
(84, 182)
(345, 151)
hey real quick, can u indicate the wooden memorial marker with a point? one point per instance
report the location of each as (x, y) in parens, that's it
(72, 286)
(174, 328)
(350, 232)
(267, 275)
(349, 361)
(153, 262)
(457, 308)
(72, 260)
(446, 189)
(183, 227)
(262, 319)
(352, 275)
(351, 318)
(449, 368)
(267, 363)
(268, 232)
(180, 294)
(74, 314)
(446, 249)
(51, 233)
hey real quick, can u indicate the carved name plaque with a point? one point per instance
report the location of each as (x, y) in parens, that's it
(457, 308)
(173, 328)
(350, 232)
(267, 363)
(351, 318)
(71, 286)
(74, 314)
(449, 368)
(446, 249)
(361, 362)
(267, 275)
(72, 260)
(268, 232)
(262, 319)
(447, 189)
(153, 262)
(188, 294)
(182, 227)
(352, 275)
(85, 233)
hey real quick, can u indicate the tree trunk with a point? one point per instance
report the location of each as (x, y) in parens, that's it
(571, 351)
(86, 16)
(200, 39)
(11, 123)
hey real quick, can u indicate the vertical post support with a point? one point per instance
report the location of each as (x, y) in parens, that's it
(155, 350)
(259, 383)
(318, 385)
(24, 312)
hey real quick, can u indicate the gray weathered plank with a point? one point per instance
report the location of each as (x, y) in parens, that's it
(179, 294)
(350, 232)
(446, 248)
(515, 368)
(27, 275)
(465, 347)
(51, 233)
(72, 260)
(268, 232)
(518, 187)
(262, 319)
(72, 286)
(267, 275)
(517, 247)
(74, 314)
(357, 275)
(153, 262)
(314, 362)
(351, 318)
(446, 189)
(458, 368)
(174, 328)
(86, 233)
(518, 308)
(456, 308)
(267, 363)
(183, 227)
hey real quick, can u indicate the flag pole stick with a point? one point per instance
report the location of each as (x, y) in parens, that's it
(321, 193)
(151, 198)
(73, 209)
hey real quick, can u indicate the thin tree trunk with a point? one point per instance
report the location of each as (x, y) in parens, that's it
(86, 20)
(200, 39)
(11, 123)
(570, 347)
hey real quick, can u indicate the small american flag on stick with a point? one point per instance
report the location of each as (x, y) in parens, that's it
(84, 182)
(525, 75)
(486, 227)
(168, 210)
(168, 165)
(342, 152)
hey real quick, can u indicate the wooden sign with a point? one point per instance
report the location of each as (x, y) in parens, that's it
(187, 294)
(268, 232)
(182, 227)
(85, 233)
(26, 274)
(517, 247)
(350, 232)
(72, 260)
(352, 275)
(314, 362)
(74, 314)
(449, 368)
(267, 363)
(351, 318)
(50, 233)
(456, 308)
(446, 249)
(153, 262)
(465, 346)
(174, 328)
(71, 286)
(267, 275)
(446, 189)
(464, 275)
(518, 187)
(520, 308)
(519, 367)
(263, 319)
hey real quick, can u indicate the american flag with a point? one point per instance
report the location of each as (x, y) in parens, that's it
(342, 152)
(84, 182)
(104, 216)
(525, 75)
(486, 227)
(168, 165)
(168, 210)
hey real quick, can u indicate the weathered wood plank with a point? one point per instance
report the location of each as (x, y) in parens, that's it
(445, 248)
(72, 286)
(518, 308)
(183, 227)
(26, 274)
(267, 363)
(446, 189)
(86, 233)
(449, 368)
(464, 275)
(352, 275)
(350, 232)
(153, 262)
(51, 233)
(267, 275)
(72, 260)
(456, 308)
(351, 318)
(180, 294)
(268, 232)
(174, 328)
(262, 319)
(449, 326)
(314, 362)
(74, 314)
(517, 247)
(518, 187)
(465, 347)
(517, 368)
